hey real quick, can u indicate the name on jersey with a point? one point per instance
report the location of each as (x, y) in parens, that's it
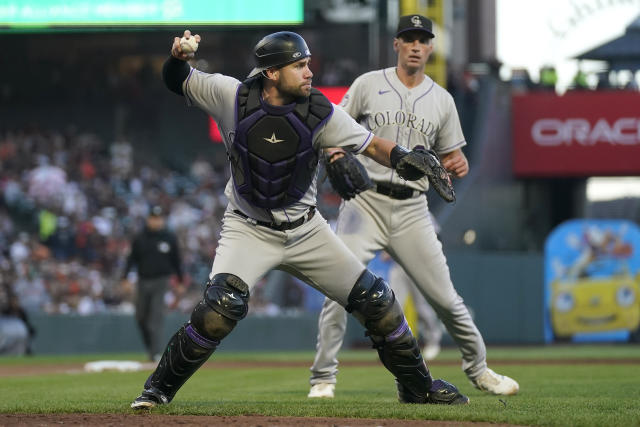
(402, 118)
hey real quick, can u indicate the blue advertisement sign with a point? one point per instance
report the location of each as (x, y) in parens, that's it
(592, 281)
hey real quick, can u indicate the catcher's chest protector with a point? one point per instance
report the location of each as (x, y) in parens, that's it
(272, 158)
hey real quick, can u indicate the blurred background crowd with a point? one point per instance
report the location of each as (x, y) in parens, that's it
(70, 205)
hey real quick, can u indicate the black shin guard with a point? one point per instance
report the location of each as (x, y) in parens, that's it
(225, 302)
(186, 352)
(401, 355)
(372, 302)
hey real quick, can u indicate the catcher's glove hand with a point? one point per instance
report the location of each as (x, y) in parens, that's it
(413, 165)
(347, 176)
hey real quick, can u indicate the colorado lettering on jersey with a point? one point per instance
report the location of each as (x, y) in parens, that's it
(401, 119)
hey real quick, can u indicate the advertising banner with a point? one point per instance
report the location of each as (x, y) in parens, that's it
(577, 134)
(592, 281)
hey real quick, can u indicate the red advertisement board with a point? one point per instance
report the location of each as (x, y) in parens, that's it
(577, 134)
(334, 93)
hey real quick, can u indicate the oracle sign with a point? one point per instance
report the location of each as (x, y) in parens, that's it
(550, 132)
(578, 134)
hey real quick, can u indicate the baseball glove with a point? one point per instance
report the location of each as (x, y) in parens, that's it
(347, 176)
(420, 162)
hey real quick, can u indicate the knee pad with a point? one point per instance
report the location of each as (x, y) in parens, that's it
(373, 303)
(226, 300)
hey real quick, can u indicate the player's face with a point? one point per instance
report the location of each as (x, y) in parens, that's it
(414, 49)
(155, 222)
(295, 79)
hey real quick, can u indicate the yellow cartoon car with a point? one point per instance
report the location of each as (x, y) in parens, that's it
(595, 305)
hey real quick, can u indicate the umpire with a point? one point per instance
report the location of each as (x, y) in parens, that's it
(156, 255)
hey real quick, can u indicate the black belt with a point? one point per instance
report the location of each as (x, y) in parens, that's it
(395, 191)
(283, 225)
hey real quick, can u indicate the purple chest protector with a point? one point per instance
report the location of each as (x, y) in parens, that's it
(272, 157)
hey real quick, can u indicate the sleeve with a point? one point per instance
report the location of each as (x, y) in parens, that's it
(341, 130)
(450, 136)
(213, 93)
(352, 100)
(131, 259)
(174, 72)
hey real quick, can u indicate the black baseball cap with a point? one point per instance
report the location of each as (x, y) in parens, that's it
(414, 23)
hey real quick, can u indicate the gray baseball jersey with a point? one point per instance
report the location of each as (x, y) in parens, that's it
(311, 251)
(424, 115)
(421, 116)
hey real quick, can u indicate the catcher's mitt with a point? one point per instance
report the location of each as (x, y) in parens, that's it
(413, 165)
(347, 176)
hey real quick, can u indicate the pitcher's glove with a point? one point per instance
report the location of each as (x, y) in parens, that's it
(413, 165)
(347, 176)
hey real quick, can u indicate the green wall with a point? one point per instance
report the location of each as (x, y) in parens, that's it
(503, 291)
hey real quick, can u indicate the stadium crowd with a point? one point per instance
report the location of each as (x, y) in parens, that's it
(70, 204)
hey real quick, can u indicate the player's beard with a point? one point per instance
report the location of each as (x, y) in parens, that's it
(293, 91)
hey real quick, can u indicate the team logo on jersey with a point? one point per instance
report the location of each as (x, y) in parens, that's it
(345, 100)
(382, 92)
(273, 139)
(416, 21)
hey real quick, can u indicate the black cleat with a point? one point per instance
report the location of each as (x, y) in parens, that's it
(149, 398)
(444, 393)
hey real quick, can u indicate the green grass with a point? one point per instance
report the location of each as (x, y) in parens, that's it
(559, 394)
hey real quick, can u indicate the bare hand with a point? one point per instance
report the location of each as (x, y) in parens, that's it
(176, 50)
(334, 153)
(455, 163)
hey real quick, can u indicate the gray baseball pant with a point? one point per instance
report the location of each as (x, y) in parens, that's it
(372, 222)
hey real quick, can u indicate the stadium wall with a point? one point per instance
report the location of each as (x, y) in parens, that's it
(503, 291)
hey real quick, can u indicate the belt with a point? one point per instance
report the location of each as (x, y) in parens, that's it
(283, 225)
(395, 191)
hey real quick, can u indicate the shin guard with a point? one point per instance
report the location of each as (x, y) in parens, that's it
(372, 302)
(186, 352)
(225, 302)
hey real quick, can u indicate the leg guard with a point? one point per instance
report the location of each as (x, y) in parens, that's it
(225, 302)
(372, 302)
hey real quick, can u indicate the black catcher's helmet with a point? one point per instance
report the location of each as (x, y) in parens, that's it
(278, 49)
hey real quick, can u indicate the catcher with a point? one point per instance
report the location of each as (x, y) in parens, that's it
(385, 209)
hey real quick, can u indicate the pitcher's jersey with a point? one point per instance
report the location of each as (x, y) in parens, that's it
(216, 95)
(421, 116)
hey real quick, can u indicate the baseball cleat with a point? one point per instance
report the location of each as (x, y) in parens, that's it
(493, 383)
(149, 398)
(440, 393)
(445, 393)
(322, 390)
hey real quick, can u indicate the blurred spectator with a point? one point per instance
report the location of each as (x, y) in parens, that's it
(521, 81)
(603, 81)
(15, 329)
(631, 85)
(548, 78)
(64, 248)
(579, 81)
